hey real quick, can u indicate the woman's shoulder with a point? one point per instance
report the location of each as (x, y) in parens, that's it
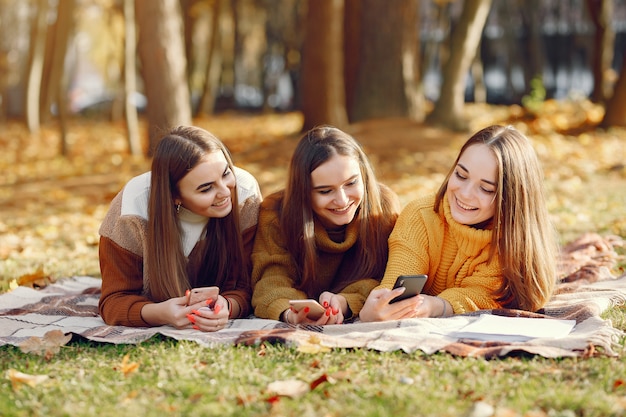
(247, 184)
(390, 198)
(273, 201)
(422, 206)
(135, 196)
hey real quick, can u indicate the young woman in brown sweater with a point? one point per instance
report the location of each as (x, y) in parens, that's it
(187, 223)
(323, 237)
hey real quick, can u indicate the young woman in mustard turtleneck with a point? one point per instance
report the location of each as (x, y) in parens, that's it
(485, 239)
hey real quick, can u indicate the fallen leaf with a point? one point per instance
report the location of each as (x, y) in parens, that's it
(18, 379)
(127, 367)
(292, 388)
(313, 345)
(46, 346)
(37, 279)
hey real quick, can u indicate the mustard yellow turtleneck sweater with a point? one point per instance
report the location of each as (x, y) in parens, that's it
(274, 272)
(454, 256)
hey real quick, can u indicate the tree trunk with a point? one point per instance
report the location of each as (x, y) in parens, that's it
(59, 36)
(35, 66)
(616, 106)
(466, 36)
(352, 48)
(323, 90)
(601, 12)
(532, 49)
(213, 68)
(130, 77)
(388, 72)
(162, 52)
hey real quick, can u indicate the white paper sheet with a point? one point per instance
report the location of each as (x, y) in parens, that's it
(512, 329)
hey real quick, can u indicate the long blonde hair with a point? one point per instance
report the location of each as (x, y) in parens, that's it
(524, 239)
(176, 154)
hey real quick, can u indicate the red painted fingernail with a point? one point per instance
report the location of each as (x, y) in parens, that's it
(325, 304)
(217, 308)
(187, 293)
(191, 318)
(195, 312)
(335, 311)
(195, 327)
(327, 312)
(209, 301)
(307, 309)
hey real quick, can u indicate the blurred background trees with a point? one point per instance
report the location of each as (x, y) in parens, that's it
(336, 61)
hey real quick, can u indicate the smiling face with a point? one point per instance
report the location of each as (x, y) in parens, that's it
(472, 186)
(337, 190)
(207, 189)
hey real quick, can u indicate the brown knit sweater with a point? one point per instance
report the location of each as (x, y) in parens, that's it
(123, 234)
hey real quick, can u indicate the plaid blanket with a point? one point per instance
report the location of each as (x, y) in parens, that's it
(588, 287)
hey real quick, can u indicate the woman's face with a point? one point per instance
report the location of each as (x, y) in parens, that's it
(207, 189)
(337, 190)
(472, 186)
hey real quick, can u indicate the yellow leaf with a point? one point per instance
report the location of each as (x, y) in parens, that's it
(313, 345)
(18, 379)
(128, 367)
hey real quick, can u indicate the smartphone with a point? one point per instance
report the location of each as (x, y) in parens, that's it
(315, 309)
(202, 294)
(413, 285)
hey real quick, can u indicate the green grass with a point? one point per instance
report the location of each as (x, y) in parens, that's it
(184, 378)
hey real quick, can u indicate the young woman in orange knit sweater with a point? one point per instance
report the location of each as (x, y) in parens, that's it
(325, 236)
(187, 223)
(484, 240)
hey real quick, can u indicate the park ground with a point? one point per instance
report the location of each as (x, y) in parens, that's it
(51, 206)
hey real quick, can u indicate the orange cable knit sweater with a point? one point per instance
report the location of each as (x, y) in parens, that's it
(454, 256)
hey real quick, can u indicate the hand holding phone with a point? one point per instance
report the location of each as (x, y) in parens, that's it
(202, 294)
(315, 309)
(413, 285)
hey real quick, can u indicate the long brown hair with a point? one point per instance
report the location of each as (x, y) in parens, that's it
(375, 216)
(175, 155)
(524, 239)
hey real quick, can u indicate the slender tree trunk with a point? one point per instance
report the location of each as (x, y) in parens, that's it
(35, 66)
(466, 36)
(323, 89)
(130, 77)
(162, 53)
(214, 64)
(352, 48)
(532, 49)
(601, 12)
(616, 106)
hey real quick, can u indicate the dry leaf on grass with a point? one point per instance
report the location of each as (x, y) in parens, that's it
(127, 367)
(292, 388)
(18, 379)
(313, 345)
(37, 279)
(46, 346)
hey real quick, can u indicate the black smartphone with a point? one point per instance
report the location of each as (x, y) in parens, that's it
(413, 285)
